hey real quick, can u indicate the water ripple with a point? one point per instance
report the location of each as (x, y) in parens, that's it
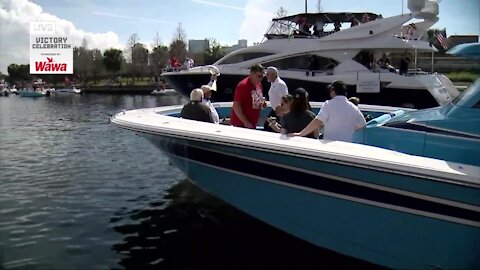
(64, 171)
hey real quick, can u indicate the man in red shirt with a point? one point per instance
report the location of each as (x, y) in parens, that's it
(248, 100)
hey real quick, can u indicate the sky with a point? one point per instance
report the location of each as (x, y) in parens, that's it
(109, 23)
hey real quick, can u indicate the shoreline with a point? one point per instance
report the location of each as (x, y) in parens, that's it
(128, 90)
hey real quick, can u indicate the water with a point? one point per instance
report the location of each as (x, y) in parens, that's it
(79, 193)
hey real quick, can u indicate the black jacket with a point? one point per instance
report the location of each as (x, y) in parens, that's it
(195, 110)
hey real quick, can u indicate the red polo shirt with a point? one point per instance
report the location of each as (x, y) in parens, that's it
(250, 98)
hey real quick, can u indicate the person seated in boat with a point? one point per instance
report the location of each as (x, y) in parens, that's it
(383, 62)
(248, 99)
(207, 94)
(300, 115)
(354, 100)
(274, 122)
(278, 89)
(340, 117)
(195, 110)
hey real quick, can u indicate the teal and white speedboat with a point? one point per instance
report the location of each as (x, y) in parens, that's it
(34, 93)
(390, 208)
(450, 132)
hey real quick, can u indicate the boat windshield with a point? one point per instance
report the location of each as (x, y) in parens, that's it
(470, 96)
(315, 25)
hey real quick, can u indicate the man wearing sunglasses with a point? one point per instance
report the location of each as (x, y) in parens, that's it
(248, 99)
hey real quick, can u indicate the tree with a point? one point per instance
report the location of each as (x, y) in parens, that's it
(319, 6)
(213, 53)
(156, 41)
(97, 63)
(112, 60)
(178, 47)
(82, 61)
(140, 54)
(159, 58)
(180, 34)
(12, 70)
(18, 73)
(279, 27)
(281, 12)
(129, 55)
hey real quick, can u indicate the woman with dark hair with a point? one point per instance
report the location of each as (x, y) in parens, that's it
(283, 109)
(300, 114)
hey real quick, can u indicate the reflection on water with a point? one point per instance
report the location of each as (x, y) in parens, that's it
(190, 229)
(64, 170)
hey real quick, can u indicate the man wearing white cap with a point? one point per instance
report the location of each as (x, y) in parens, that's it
(278, 89)
(207, 94)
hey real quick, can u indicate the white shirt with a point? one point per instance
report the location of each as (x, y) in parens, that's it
(340, 118)
(213, 111)
(277, 90)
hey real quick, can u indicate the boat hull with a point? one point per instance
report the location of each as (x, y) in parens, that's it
(34, 94)
(329, 205)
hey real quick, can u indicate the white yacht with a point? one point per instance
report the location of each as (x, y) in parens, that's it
(348, 53)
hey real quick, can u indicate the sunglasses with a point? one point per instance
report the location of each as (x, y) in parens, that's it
(260, 75)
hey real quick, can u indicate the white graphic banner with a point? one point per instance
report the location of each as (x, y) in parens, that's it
(49, 53)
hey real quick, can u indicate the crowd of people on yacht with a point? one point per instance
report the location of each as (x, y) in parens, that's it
(290, 114)
(317, 27)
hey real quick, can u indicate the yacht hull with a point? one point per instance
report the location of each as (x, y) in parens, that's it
(314, 201)
(185, 82)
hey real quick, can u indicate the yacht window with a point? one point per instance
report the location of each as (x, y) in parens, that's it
(365, 58)
(241, 57)
(302, 62)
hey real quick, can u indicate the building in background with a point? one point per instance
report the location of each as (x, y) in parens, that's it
(196, 46)
(455, 40)
(242, 43)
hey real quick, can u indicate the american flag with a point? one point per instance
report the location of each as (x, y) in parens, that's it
(442, 38)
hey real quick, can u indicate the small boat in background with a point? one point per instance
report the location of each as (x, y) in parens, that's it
(4, 91)
(34, 93)
(164, 92)
(38, 90)
(13, 90)
(69, 90)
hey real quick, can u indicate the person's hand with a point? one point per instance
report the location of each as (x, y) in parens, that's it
(272, 122)
(293, 134)
(248, 125)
